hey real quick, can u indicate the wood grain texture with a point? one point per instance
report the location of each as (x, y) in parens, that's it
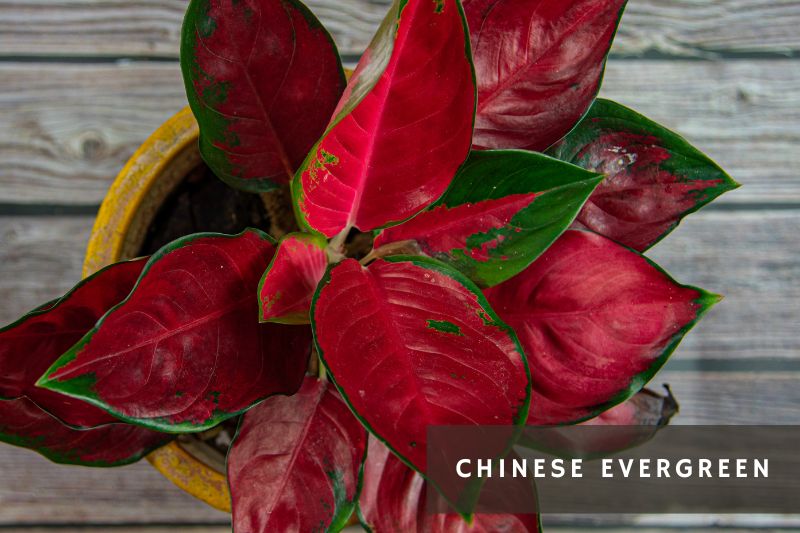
(749, 256)
(151, 27)
(69, 128)
(35, 491)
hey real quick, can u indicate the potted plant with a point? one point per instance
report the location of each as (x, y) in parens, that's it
(468, 250)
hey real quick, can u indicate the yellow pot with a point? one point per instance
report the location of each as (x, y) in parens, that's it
(151, 174)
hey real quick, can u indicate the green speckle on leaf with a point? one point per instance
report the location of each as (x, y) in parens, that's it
(328, 158)
(487, 320)
(445, 327)
(439, 6)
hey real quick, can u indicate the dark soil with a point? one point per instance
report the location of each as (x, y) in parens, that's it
(203, 203)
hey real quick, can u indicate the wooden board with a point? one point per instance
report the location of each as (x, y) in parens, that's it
(69, 128)
(749, 256)
(151, 27)
(35, 491)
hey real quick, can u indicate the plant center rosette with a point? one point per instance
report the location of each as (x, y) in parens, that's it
(472, 227)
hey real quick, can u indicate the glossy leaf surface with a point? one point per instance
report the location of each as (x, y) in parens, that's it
(185, 350)
(410, 343)
(294, 464)
(503, 209)
(394, 498)
(23, 423)
(654, 177)
(30, 345)
(539, 65)
(402, 128)
(291, 279)
(263, 78)
(597, 320)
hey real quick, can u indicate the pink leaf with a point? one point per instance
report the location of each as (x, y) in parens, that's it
(402, 128)
(291, 279)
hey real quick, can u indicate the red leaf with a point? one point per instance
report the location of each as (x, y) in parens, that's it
(185, 350)
(653, 176)
(394, 497)
(291, 279)
(539, 65)
(411, 343)
(294, 464)
(402, 128)
(30, 345)
(597, 320)
(263, 78)
(22, 423)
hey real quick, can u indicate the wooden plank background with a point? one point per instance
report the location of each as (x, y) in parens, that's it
(83, 82)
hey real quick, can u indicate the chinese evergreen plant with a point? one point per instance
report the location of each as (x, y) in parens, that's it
(509, 207)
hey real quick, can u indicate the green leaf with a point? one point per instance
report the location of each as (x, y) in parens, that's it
(503, 210)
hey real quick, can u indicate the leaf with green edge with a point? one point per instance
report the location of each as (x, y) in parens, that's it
(597, 321)
(645, 408)
(411, 342)
(24, 424)
(394, 498)
(292, 277)
(539, 65)
(31, 344)
(401, 129)
(185, 350)
(503, 209)
(654, 177)
(635, 422)
(262, 78)
(295, 463)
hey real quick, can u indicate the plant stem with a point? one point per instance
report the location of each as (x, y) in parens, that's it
(335, 248)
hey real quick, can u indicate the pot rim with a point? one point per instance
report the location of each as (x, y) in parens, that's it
(124, 216)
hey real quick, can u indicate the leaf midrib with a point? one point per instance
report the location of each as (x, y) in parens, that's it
(60, 375)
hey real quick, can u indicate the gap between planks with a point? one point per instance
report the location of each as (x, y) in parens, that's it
(67, 129)
(678, 28)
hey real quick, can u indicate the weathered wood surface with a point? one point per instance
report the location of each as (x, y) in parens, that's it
(151, 27)
(69, 128)
(83, 82)
(750, 257)
(33, 491)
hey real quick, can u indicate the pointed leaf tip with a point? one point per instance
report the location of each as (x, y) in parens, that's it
(654, 177)
(598, 320)
(185, 350)
(407, 112)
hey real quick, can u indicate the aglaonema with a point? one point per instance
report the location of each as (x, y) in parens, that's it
(506, 211)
